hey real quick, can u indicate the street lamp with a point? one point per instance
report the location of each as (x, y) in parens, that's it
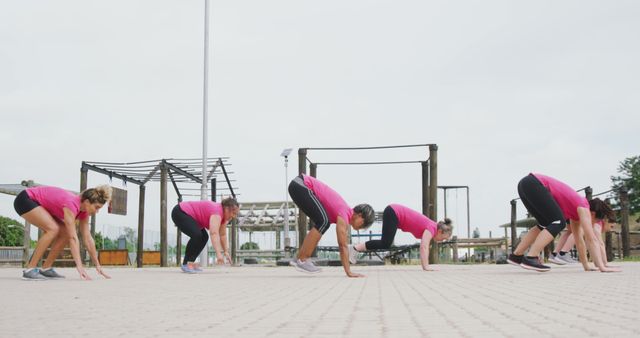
(287, 240)
(204, 255)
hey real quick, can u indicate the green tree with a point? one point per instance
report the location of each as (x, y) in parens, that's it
(629, 170)
(250, 246)
(11, 232)
(104, 243)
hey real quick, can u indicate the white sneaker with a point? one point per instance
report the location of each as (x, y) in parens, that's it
(556, 260)
(353, 254)
(567, 258)
(306, 266)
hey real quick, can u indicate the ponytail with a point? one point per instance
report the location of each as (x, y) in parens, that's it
(100, 194)
(445, 226)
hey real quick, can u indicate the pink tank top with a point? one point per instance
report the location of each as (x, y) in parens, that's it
(54, 199)
(567, 198)
(414, 222)
(332, 202)
(201, 211)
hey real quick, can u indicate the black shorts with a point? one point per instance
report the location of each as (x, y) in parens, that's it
(540, 203)
(308, 202)
(23, 203)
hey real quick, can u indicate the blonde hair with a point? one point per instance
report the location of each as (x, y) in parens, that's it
(100, 194)
(230, 202)
(446, 226)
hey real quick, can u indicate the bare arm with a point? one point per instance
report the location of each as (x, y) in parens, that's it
(74, 243)
(224, 242)
(425, 243)
(603, 251)
(91, 245)
(580, 244)
(592, 241)
(214, 233)
(342, 228)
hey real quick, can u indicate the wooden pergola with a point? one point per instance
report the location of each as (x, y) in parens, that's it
(184, 175)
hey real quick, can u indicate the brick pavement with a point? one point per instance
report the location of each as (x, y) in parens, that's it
(392, 301)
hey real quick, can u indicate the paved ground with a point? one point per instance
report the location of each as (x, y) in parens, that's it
(462, 300)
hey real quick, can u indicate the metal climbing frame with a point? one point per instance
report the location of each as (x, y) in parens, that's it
(429, 185)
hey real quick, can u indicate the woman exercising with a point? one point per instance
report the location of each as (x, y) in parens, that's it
(194, 218)
(551, 201)
(55, 211)
(396, 216)
(324, 206)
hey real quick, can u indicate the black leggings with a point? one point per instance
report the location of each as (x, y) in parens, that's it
(541, 205)
(198, 237)
(23, 203)
(389, 228)
(304, 198)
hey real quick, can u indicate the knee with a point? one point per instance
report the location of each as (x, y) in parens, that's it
(556, 227)
(204, 236)
(53, 230)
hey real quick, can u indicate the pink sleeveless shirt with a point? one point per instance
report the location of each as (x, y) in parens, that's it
(567, 198)
(201, 211)
(332, 202)
(414, 222)
(54, 199)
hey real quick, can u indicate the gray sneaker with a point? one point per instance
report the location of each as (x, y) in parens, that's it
(33, 274)
(567, 258)
(353, 254)
(557, 260)
(51, 273)
(306, 266)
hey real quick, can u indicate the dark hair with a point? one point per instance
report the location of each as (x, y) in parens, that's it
(446, 226)
(230, 202)
(100, 194)
(367, 213)
(601, 209)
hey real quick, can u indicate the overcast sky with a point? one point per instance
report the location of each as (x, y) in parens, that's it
(503, 87)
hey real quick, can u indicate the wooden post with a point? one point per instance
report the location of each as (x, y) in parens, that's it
(514, 233)
(234, 241)
(179, 242)
(140, 246)
(302, 218)
(618, 236)
(83, 186)
(163, 215)
(608, 244)
(455, 249)
(425, 187)
(588, 193)
(313, 170)
(624, 223)
(433, 198)
(26, 243)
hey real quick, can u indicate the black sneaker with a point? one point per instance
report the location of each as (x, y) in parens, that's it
(515, 259)
(532, 263)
